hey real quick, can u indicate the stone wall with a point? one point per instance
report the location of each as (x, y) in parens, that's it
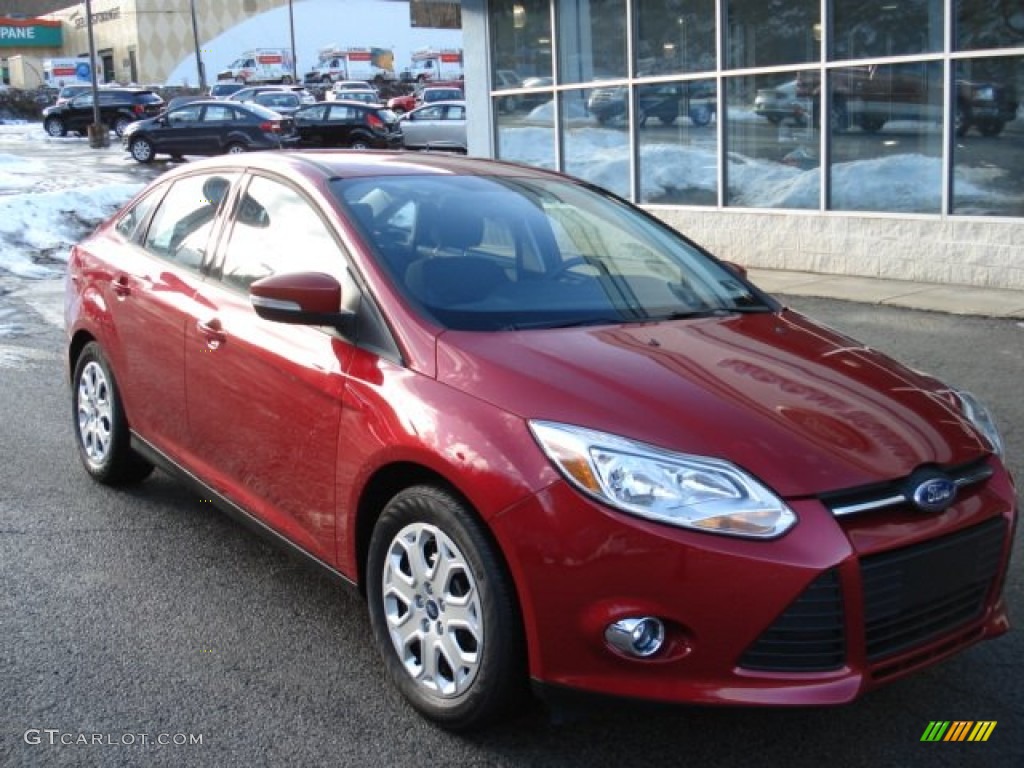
(978, 252)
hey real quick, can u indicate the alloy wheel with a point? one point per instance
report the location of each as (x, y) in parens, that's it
(95, 413)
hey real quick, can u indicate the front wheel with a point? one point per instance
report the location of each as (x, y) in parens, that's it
(443, 611)
(700, 115)
(235, 148)
(142, 150)
(101, 428)
(55, 127)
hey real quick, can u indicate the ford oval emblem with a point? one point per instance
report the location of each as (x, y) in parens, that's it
(934, 495)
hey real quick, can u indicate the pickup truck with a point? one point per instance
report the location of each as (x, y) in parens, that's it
(871, 96)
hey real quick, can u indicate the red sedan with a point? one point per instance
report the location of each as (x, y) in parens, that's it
(549, 438)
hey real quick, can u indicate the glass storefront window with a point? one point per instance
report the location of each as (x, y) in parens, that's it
(592, 42)
(766, 34)
(772, 147)
(984, 24)
(867, 30)
(988, 143)
(526, 133)
(594, 149)
(520, 41)
(890, 156)
(677, 144)
(674, 37)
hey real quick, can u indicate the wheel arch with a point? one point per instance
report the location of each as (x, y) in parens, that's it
(75, 347)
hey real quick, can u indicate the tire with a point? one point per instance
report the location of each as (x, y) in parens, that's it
(359, 144)
(443, 610)
(101, 428)
(990, 127)
(871, 124)
(55, 127)
(700, 115)
(141, 150)
(773, 119)
(120, 124)
(286, 80)
(234, 148)
(510, 104)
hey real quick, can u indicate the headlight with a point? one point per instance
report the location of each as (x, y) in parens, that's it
(696, 492)
(981, 417)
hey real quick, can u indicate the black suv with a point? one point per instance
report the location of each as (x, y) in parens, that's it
(665, 101)
(347, 124)
(119, 107)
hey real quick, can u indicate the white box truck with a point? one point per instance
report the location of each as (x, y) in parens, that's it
(437, 64)
(336, 63)
(260, 65)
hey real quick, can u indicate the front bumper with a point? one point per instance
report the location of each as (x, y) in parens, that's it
(806, 619)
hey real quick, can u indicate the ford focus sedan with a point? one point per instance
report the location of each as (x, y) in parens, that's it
(558, 446)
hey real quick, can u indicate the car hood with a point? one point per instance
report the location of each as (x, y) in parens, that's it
(802, 407)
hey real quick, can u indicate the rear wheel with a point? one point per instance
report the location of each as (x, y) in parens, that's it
(443, 610)
(142, 150)
(55, 127)
(101, 429)
(359, 144)
(700, 114)
(235, 148)
(991, 127)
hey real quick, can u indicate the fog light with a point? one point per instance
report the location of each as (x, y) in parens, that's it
(641, 637)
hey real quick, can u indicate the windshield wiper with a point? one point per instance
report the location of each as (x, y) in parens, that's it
(715, 312)
(565, 324)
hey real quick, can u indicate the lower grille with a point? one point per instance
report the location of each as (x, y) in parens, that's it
(915, 594)
(808, 637)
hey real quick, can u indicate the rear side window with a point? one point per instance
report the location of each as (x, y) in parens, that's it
(131, 222)
(182, 226)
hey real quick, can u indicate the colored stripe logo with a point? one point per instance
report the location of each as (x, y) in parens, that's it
(958, 730)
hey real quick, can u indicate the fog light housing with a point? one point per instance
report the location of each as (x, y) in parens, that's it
(640, 637)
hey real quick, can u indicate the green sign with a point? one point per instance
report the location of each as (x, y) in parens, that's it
(30, 33)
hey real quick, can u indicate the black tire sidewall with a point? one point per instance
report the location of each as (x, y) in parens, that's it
(501, 676)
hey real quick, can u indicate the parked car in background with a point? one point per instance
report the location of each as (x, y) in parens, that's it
(441, 125)
(119, 107)
(250, 93)
(352, 124)
(282, 102)
(410, 101)
(664, 101)
(224, 89)
(353, 85)
(367, 97)
(555, 445)
(781, 103)
(210, 127)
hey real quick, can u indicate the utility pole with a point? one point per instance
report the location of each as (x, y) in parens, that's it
(291, 27)
(99, 134)
(200, 69)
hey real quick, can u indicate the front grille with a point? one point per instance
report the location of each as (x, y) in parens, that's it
(918, 593)
(808, 636)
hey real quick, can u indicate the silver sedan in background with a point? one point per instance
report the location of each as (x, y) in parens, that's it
(440, 125)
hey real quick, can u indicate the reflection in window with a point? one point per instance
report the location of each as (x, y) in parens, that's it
(772, 159)
(988, 151)
(760, 34)
(181, 227)
(983, 24)
(674, 37)
(520, 41)
(865, 30)
(890, 158)
(526, 134)
(592, 151)
(277, 231)
(592, 42)
(677, 143)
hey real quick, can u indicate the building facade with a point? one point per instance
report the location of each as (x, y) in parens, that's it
(881, 139)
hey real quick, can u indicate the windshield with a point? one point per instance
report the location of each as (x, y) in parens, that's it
(492, 253)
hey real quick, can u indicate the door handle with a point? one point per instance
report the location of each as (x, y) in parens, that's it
(212, 331)
(120, 287)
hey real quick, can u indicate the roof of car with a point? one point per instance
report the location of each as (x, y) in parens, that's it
(326, 164)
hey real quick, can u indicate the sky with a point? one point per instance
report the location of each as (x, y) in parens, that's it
(362, 23)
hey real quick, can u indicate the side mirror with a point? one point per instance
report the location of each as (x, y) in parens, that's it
(301, 298)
